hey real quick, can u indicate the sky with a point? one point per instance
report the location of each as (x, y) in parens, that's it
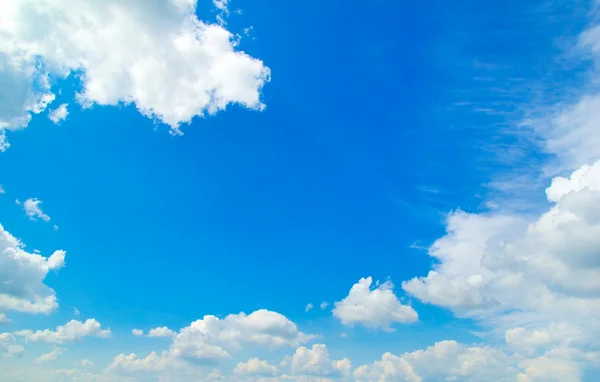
(235, 190)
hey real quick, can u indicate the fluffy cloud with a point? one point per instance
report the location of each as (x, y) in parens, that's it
(159, 57)
(315, 362)
(373, 308)
(161, 332)
(50, 356)
(212, 338)
(22, 277)
(8, 346)
(72, 331)
(59, 114)
(255, 367)
(486, 261)
(33, 210)
(445, 361)
(137, 332)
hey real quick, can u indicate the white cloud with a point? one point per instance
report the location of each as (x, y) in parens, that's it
(59, 114)
(212, 338)
(22, 277)
(137, 332)
(324, 305)
(255, 367)
(4, 319)
(180, 68)
(445, 361)
(9, 347)
(308, 307)
(315, 362)
(72, 331)
(373, 308)
(161, 332)
(53, 355)
(33, 210)
(221, 5)
(86, 363)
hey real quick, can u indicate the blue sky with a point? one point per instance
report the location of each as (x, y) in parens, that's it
(409, 143)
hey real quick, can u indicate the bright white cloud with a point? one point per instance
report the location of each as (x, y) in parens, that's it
(33, 210)
(161, 332)
(22, 277)
(212, 338)
(9, 347)
(221, 5)
(255, 367)
(373, 308)
(137, 332)
(315, 362)
(159, 57)
(72, 331)
(445, 361)
(53, 355)
(59, 114)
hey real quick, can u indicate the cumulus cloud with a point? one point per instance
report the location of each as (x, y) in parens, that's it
(9, 347)
(212, 338)
(159, 57)
(137, 332)
(59, 114)
(373, 308)
(255, 367)
(445, 361)
(161, 332)
(22, 277)
(72, 331)
(53, 355)
(315, 362)
(33, 210)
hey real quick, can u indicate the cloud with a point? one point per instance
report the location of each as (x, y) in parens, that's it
(324, 305)
(22, 277)
(445, 361)
(137, 332)
(59, 114)
(212, 338)
(2, 191)
(221, 5)
(161, 332)
(255, 367)
(160, 58)
(315, 362)
(51, 356)
(86, 363)
(4, 319)
(377, 308)
(308, 307)
(33, 210)
(8, 346)
(72, 331)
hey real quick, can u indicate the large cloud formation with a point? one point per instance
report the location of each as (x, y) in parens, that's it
(156, 55)
(22, 277)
